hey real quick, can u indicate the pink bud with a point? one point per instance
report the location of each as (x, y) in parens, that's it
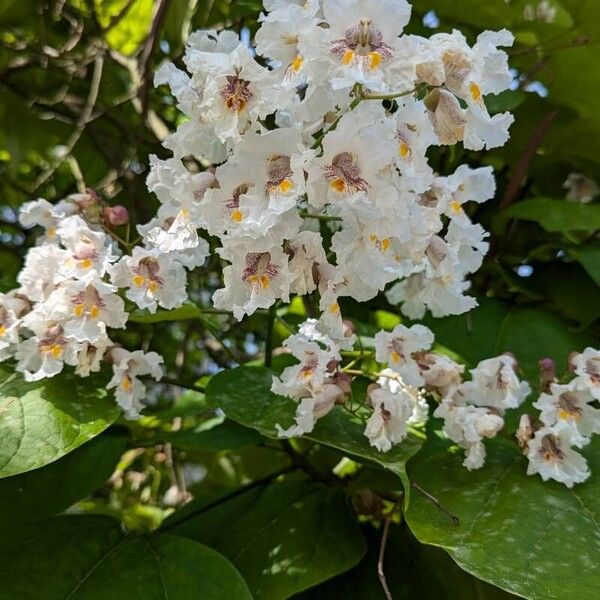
(547, 373)
(115, 215)
(343, 381)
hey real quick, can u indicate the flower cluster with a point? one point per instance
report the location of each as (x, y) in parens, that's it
(306, 158)
(568, 418)
(67, 299)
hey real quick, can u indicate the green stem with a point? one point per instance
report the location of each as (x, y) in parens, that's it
(367, 96)
(269, 338)
(305, 214)
(188, 386)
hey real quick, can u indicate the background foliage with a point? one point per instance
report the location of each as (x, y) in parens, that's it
(222, 510)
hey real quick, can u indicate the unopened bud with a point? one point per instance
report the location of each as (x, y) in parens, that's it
(547, 373)
(349, 328)
(113, 216)
(344, 382)
(431, 72)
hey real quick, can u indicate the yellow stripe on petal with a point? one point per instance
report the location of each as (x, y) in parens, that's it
(348, 57)
(138, 280)
(374, 60)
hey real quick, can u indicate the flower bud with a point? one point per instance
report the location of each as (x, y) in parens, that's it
(114, 216)
(431, 72)
(344, 382)
(524, 432)
(547, 373)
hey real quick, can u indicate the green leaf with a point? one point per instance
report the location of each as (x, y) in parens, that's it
(535, 539)
(494, 327)
(412, 570)
(90, 558)
(131, 29)
(244, 394)
(43, 492)
(557, 215)
(225, 435)
(186, 312)
(589, 257)
(42, 421)
(283, 538)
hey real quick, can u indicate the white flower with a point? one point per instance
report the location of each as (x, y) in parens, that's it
(362, 145)
(550, 454)
(45, 353)
(467, 425)
(494, 383)
(11, 309)
(310, 410)
(258, 276)
(364, 42)
(414, 134)
(41, 212)
(396, 349)
(587, 369)
(88, 252)
(466, 185)
(127, 368)
(581, 188)
(40, 274)
(439, 372)
(566, 404)
(180, 193)
(307, 254)
(151, 279)
(90, 356)
(316, 358)
(392, 410)
(86, 309)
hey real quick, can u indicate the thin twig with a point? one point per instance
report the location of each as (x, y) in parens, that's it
(380, 571)
(455, 520)
(188, 386)
(82, 122)
(269, 337)
(145, 61)
(520, 173)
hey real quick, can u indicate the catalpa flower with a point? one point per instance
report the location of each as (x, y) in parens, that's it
(258, 276)
(565, 403)
(151, 279)
(551, 455)
(587, 369)
(398, 347)
(127, 368)
(86, 308)
(363, 42)
(46, 352)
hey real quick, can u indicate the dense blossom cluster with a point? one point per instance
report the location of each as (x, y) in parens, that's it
(315, 179)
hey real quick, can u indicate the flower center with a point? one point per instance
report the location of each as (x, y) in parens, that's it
(146, 274)
(362, 43)
(259, 270)
(549, 448)
(236, 93)
(279, 173)
(568, 407)
(53, 342)
(343, 174)
(233, 204)
(87, 303)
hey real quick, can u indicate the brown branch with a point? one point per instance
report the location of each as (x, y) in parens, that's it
(380, 571)
(145, 60)
(82, 122)
(520, 173)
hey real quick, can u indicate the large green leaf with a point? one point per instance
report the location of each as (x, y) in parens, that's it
(46, 491)
(494, 327)
(283, 538)
(90, 558)
(535, 539)
(557, 215)
(244, 394)
(412, 570)
(42, 421)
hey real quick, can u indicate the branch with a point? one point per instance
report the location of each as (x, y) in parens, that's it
(145, 60)
(82, 122)
(116, 19)
(380, 571)
(516, 181)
